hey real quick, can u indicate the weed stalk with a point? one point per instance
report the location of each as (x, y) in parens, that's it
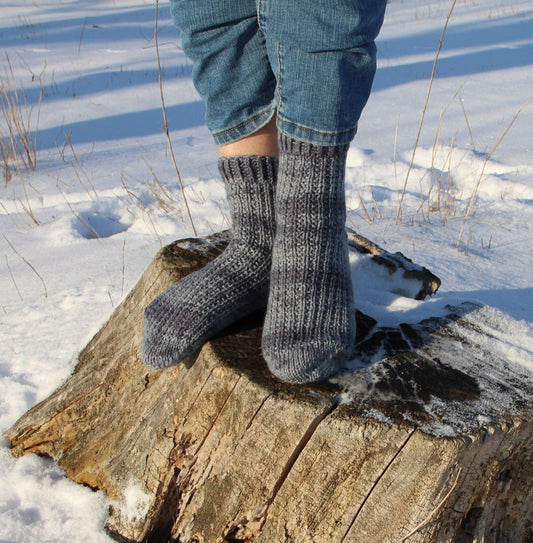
(428, 94)
(165, 119)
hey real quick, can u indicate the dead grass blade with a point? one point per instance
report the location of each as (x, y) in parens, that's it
(18, 136)
(428, 94)
(482, 173)
(27, 264)
(165, 120)
(13, 279)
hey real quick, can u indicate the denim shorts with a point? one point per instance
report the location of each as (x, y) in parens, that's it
(310, 61)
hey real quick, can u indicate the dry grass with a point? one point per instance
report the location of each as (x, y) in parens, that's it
(424, 109)
(440, 196)
(165, 119)
(81, 173)
(27, 264)
(153, 196)
(18, 129)
(473, 198)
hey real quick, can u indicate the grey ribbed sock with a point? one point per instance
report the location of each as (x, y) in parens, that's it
(180, 320)
(309, 327)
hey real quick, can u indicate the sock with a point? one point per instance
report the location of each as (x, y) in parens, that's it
(180, 320)
(310, 321)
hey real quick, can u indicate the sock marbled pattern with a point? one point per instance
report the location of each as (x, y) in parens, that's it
(180, 320)
(310, 322)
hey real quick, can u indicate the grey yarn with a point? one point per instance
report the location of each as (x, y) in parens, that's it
(180, 320)
(309, 327)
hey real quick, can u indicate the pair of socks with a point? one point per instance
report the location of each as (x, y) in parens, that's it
(288, 252)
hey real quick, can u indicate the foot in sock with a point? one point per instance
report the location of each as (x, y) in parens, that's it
(309, 327)
(180, 320)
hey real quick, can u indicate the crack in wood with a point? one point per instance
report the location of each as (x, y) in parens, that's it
(30, 436)
(298, 450)
(253, 417)
(221, 409)
(232, 535)
(377, 481)
(193, 402)
(466, 471)
(428, 519)
(263, 402)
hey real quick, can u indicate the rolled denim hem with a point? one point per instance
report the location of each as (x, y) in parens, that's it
(245, 128)
(313, 136)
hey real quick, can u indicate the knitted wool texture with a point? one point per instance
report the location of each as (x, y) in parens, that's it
(179, 321)
(309, 327)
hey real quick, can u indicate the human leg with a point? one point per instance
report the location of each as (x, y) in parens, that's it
(183, 317)
(231, 69)
(324, 77)
(264, 142)
(321, 87)
(239, 107)
(310, 322)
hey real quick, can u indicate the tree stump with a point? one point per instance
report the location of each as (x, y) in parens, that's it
(428, 438)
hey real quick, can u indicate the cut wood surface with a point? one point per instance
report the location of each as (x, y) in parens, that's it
(427, 438)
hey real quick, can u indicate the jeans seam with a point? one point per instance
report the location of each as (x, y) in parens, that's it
(313, 131)
(244, 123)
(278, 78)
(259, 16)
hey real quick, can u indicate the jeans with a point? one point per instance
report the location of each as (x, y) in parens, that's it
(310, 61)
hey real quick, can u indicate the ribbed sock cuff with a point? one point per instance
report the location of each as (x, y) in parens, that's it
(245, 168)
(291, 146)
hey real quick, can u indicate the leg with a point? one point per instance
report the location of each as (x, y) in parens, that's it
(192, 310)
(264, 142)
(231, 69)
(310, 323)
(179, 321)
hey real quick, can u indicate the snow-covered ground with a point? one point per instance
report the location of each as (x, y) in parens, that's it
(78, 231)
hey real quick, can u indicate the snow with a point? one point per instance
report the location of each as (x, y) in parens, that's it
(39, 504)
(134, 504)
(79, 230)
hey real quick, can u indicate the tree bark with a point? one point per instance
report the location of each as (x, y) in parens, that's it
(428, 438)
